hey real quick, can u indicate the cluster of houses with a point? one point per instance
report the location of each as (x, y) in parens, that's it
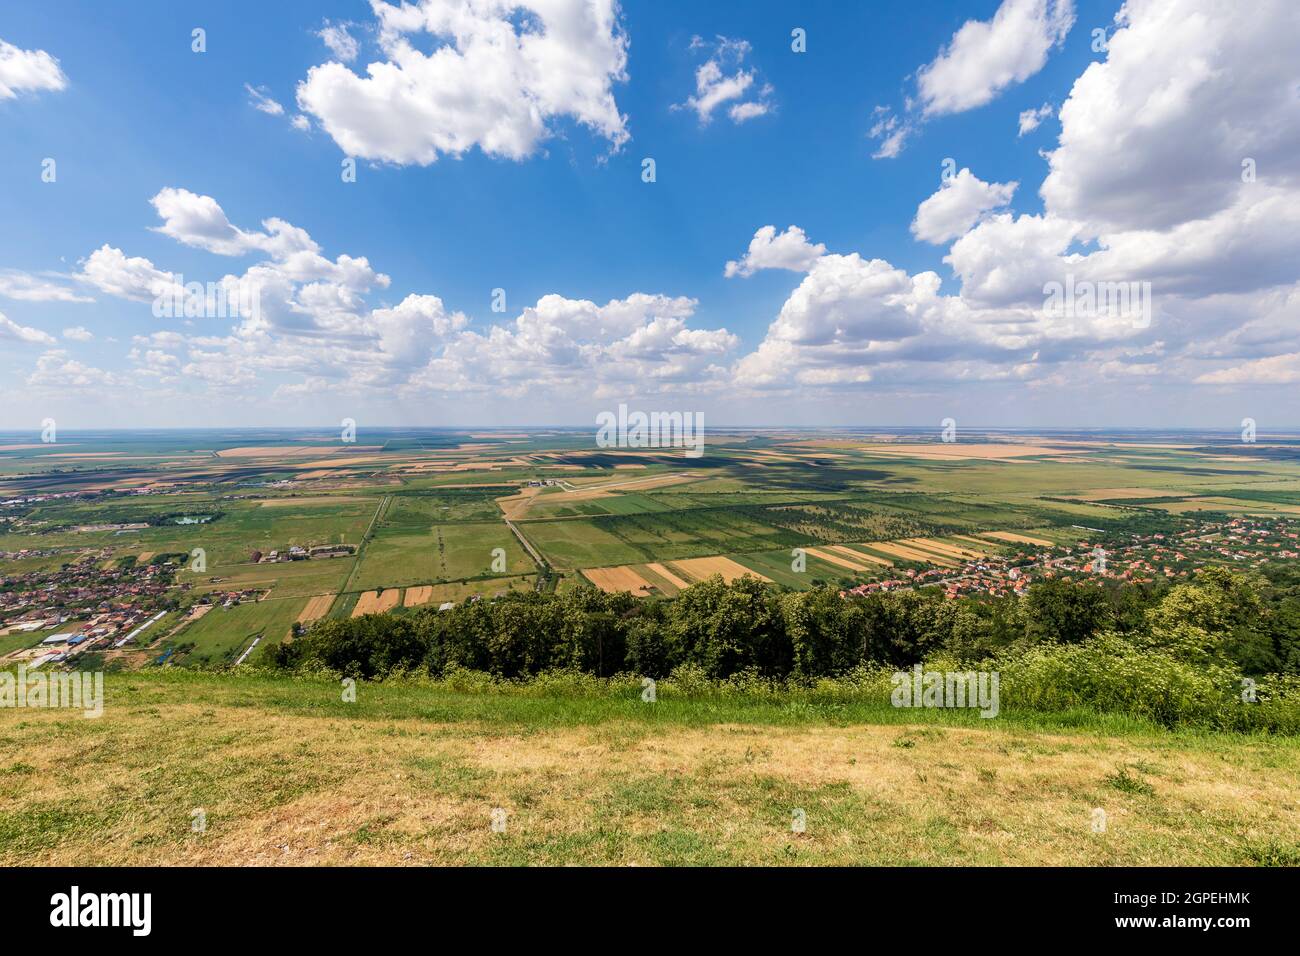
(37, 499)
(115, 627)
(995, 577)
(232, 598)
(82, 586)
(109, 604)
(1142, 561)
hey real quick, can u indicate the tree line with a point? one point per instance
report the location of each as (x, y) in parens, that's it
(1247, 623)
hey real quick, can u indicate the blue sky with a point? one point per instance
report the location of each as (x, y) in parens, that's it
(138, 112)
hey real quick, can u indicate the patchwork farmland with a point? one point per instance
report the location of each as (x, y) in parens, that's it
(280, 533)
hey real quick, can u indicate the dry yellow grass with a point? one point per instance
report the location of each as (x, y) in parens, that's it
(613, 580)
(668, 576)
(316, 608)
(698, 569)
(145, 556)
(414, 597)
(279, 786)
(1018, 538)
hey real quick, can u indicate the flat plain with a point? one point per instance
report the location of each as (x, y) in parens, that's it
(438, 515)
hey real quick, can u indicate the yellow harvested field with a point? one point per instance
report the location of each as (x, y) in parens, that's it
(342, 462)
(414, 597)
(614, 580)
(948, 451)
(855, 552)
(376, 602)
(585, 492)
(145, 556)
(316, 608)
(516, 506)
(490, 465)
(909, 554)
(839, 560)
(827, 443)
(698, 569)
(668, 576)
(284, 451)
(1018, 538)
(1230, 505)
(1120, 446)
(940, 547)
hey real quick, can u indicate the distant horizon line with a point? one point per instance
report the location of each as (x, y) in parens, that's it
(1202, 429)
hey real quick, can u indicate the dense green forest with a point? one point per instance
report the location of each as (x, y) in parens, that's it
(1221, 650)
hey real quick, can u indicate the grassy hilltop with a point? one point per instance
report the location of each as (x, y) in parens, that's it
(287, 772)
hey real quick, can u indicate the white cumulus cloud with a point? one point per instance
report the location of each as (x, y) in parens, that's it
(958, 204)
(768, 250)
(28, 71)
(985, 57)
(499, 73)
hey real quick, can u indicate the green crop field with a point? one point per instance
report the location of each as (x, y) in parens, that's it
(446, 552)
(223, 633)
